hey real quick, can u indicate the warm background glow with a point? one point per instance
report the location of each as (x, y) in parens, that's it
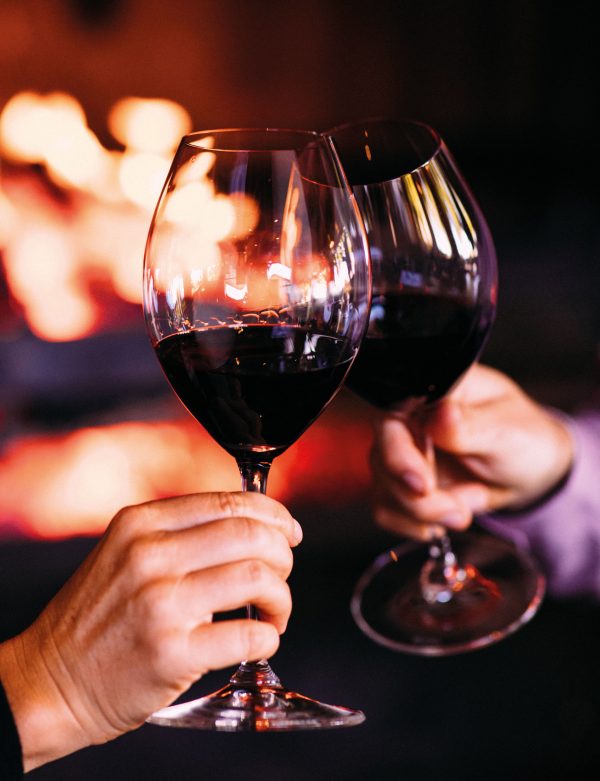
(73, 483)
(94, 97)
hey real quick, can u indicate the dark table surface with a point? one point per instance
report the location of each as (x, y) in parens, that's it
(528, 706)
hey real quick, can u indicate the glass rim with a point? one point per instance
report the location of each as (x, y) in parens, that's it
(190, 138)
(440, 146)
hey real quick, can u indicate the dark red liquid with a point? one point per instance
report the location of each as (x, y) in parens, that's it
(416, 347)
(255, 388)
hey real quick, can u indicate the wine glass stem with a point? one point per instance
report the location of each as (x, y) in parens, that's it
(254, 478)
(441, 576)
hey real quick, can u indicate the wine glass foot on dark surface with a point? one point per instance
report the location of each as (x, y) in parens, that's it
(255, 701)
(501, 590)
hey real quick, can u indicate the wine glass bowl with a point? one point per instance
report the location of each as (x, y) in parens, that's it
(433, 264)
(434, 279)
(256, 297)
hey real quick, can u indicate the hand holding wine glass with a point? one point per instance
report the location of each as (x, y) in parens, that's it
(496, 449)
(131, 629)
(434, 299)
(256, 295)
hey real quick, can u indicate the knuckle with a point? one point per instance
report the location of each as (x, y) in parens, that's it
(121, 525)
(229, 504)
(259, 541)
(130, 522)
(459, 436)
(252, 534)
(142, 558)
(256, 572)
(155, 608)
(458, 440)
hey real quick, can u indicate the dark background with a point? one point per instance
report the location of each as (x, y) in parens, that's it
(513, 89)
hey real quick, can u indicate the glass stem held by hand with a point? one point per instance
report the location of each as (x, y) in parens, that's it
(259, 676)
(254, 699)
(254, 478)
(441, 576)
(459, 593)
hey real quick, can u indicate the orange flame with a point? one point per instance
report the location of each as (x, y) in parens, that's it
(82, 479)
(50, 255)
(151, 125)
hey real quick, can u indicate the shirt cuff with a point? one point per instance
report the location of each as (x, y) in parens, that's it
(563, 532)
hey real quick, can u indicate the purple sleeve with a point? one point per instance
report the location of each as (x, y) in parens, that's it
(563, 533)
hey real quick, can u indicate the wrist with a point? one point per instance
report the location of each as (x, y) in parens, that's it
(46, 727)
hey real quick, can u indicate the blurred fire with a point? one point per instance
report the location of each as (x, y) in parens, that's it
(102, 469)
(74, 216)
(54, 248)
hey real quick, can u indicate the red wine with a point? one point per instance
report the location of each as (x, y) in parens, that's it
(255, 388)
(416, 347)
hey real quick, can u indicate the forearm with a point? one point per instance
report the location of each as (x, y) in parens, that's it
(563, 533)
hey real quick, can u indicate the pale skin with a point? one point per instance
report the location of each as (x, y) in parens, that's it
(493, 448)
(132, 629)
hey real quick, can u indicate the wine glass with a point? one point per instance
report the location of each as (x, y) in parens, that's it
(434, 299)
(256, 297)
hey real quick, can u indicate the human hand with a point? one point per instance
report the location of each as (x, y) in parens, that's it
(132, 629)
(495, 448)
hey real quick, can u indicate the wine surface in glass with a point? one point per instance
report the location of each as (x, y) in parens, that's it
(417, 346)
(255, 388)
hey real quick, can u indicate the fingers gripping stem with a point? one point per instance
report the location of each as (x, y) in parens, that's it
(441, 576)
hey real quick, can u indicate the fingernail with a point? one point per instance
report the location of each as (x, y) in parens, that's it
(298, 533)
(454, 519)
(414, 481)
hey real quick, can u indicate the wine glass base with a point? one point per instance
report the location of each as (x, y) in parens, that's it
(256, 706)
(503, 589)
